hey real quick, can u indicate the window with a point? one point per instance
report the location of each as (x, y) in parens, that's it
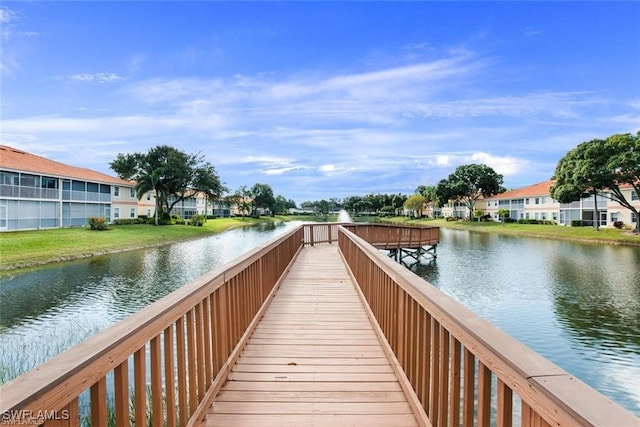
(527, 201)
(132, 214)
(29, 180)
(132, 193)
(116, 212)
(116, 191)
(527, 214)
(614, 216)
(49, 182)
(554, 216)
(148, 196)
(544, 216)
(634, 217)
(543, 200)
(9, 178)
(148, 212)
(634, 195)
(537, 200)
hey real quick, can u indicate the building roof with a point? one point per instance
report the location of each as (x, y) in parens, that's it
(18, 160)
(539, 189)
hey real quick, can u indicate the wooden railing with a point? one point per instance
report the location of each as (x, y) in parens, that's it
(463, 370)
(319, 233)
(161, 365)
(392, 236)
(381, 236)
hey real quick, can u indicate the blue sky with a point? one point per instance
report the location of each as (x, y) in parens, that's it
(321, 99)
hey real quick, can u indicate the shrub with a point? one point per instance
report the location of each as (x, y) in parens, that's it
(97, 223)
(528, 221)
(618, 224)
(127, 221)
(177, 219)
(510, 220)
(578, 223)
(163, 219)
(197, 220)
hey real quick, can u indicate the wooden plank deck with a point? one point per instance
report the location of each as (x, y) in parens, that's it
(314, 359)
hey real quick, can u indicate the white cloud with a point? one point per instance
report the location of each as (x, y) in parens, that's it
(93, 77)
(504, 165)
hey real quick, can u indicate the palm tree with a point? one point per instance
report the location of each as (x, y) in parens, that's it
(152, 182)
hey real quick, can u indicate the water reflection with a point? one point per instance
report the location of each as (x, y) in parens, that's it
(598, 303)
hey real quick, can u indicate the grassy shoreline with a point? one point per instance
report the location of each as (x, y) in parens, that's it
(32, 248)
(578, 234)
(25, 249)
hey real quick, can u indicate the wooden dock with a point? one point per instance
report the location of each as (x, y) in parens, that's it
(314, 359)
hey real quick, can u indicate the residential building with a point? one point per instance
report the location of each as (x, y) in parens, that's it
(535, 202)
(40, 193)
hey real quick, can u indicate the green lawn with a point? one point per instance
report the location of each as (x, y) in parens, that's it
(605, 235)
(27, 248)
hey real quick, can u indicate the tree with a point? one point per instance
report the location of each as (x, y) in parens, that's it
(600, 166)
(415, 203)
(173, 174)
(430, 194)
(503, 213)
(263, 196)
(281, 205)
(242, 199)
(468, 183)
(323, 207)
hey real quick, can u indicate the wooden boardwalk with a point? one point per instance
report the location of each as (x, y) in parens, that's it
(314, 359)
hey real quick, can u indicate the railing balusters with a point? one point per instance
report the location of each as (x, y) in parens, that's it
(169, 376)
(183, 410)
(99, 403)
(121, 393)
(208, 342)
(484, 395)
(443, 391)
(428, 320)
(192, 374)
(157, 411)
(454, 383)
(435, 372)
(469, 389)
(140, 387)
(505, 405)
(200, 343)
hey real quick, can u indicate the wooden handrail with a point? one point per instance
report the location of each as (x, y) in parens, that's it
(161, 361)
(464, 370)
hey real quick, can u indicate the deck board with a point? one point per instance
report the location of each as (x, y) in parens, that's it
(314, 359)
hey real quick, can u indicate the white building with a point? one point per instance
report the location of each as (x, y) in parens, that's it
(39, 193)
